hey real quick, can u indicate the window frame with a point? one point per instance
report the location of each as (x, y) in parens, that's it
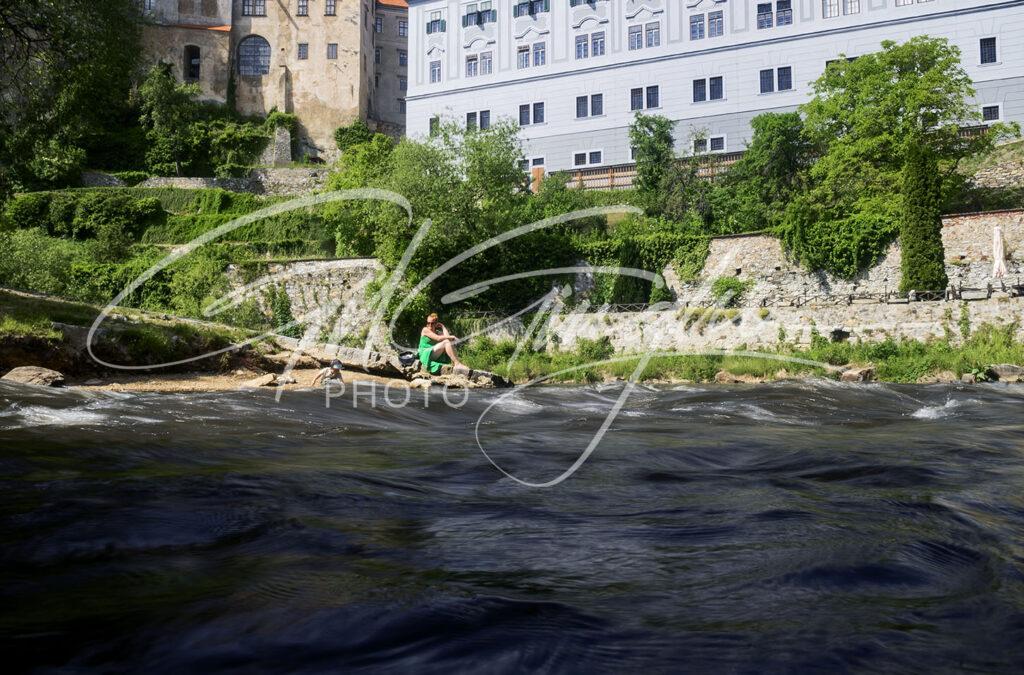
(542, 53)
(331, 8)
(637, 31)
(260, 57)
(302, 8)
(989, 39)
(989, 106)
(697, 21)
(716, 18)
(830, 9)
(332, 51)
(652, 34)
(302, 53)
(254, 7)
(432, 68)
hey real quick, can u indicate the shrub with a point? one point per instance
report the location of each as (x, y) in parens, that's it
(729, 291)
(355, 133)
(130, 178)
(923, 263)
(594, 350)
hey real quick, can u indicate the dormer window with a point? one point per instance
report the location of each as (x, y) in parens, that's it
(477, 14)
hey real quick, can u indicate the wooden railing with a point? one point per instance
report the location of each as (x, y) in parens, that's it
(618, 176)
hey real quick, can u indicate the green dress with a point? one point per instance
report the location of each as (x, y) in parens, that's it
(433, 363)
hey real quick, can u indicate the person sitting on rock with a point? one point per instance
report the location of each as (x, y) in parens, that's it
(437, 346)
(330, 373)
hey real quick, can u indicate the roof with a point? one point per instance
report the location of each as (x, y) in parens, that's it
(402, 4)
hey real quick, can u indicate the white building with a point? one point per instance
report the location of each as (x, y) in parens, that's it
(572, 72)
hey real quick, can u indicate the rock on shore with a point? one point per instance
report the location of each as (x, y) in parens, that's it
(43, 377)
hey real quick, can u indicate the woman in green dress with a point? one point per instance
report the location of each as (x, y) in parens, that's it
(437, 346)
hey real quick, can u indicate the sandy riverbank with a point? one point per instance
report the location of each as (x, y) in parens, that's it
(210, 382)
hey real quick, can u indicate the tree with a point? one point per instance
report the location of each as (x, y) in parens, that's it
(651, 138)
(168, 112)
(923, 258)
(65, 72)
(865, 115)
(353, 134)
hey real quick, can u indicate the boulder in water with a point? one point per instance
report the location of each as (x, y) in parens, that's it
(865, 374)
(42, 377)
(1005, 372)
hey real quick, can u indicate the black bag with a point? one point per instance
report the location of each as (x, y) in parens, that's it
(407, 358)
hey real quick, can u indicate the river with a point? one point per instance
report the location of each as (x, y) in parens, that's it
(790, 527)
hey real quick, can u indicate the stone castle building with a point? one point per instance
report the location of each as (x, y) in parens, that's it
(317, 59)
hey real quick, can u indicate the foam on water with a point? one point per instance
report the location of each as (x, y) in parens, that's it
(950, 407)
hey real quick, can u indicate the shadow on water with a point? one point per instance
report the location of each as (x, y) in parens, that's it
(785, 527)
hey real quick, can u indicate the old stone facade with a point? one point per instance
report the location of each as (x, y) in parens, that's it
(313, 58)
(276, 182)
(391, 59)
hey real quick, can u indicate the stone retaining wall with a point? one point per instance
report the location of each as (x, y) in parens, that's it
(761, 259)
(278, 182)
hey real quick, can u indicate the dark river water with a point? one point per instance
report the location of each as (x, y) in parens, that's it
(812, 527)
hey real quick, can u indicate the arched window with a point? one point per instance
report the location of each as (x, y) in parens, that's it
(254, 56)
(192, 63)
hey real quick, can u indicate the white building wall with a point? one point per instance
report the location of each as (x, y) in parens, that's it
(738, 56)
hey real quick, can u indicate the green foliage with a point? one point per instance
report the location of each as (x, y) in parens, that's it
(594, 350)
(130, 178)
(281, 312)
(923, 257)
(865, 116)
(651, 137)
(168, 110)
(353, 134)
(65, 74)
(729, 291)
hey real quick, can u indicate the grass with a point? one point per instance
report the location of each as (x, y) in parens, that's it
(903, 361)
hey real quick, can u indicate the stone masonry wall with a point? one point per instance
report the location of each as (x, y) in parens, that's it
(967, 239)
(278, 182)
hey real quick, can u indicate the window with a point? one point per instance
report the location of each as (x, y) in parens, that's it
(528, 8)
(764, 15)
(485, 63)
(636, 98)
(904, 3)
(472, 66)
(715, 88)
(767, 81)
(403, 83)
(586, 158)
(330, 9)
(653, 31)
(485, 119)
(193, 63)
(636, 38)
(303, 9)
(988, 50)
(717, 143)
(376, 79)
(524, 114)
(990, 113)
(253, 56)
(539, 53)
(478, 15)
(332, 51)
(436, 24)
(470, 121)
(851, 6)
(700, 145)
(711, 89)
(653, 97)
(403, 57)
(304, 51)
(697, 27)
(597, 44)
(401, 106)
(783, 12)
(378, 24)
(785, 78)
(435, 123)
(523, 57)
(579, 159)
(254, 7)
(581, 106)
(435, 72)
(376, 54)
(148, 5)
(716, 24)
(595, 157)
(595, 107)
(829, 8)
(582, 46)
(403, 28)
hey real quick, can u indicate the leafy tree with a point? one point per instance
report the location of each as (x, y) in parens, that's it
(353, 134)
(651, 137)
(923, 262)
(65, 72)
(756, 189)
(168, 112)
(863, 118)
(684, 191)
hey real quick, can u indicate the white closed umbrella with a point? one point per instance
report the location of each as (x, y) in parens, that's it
(998, 254)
